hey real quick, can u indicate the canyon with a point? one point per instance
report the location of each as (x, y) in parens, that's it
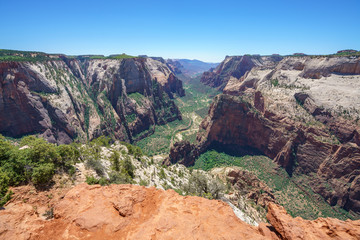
(297, 117)
(300, 111)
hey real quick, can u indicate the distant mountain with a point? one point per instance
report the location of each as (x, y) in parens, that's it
(190, 67)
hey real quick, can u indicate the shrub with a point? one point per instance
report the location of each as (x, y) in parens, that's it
(216, 188)
(274, 82)
(42, 174)
(69, 155)
(119, 178)
(103, 181)
(199, 185)
(96, 166)
(91, 180)
(143, 182)
(71, 170)
(49, 214)
(133, 150)
(43, 152)
(5, 195)
(102, 141)
(4, 184)
(162, 174)
(114, 159)
(5, 149)
(128, 167)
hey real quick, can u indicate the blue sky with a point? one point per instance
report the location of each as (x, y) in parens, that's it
(205, 30)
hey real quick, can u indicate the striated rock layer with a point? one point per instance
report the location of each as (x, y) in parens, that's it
(84, 98)
(233, 121)
(134, 212)
(303, 112)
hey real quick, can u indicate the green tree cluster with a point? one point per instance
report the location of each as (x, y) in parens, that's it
(133, 150)
(200, 185)
(34, 161)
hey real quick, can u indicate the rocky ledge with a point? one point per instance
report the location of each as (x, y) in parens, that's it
(134, 212)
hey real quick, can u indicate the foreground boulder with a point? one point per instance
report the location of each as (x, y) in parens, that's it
(321, 228)
(134, 212)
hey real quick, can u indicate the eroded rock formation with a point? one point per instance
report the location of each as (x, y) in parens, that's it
(84, 98)
(134, 212)
(321, 228)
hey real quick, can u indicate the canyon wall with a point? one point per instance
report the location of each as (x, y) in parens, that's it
(302, 112)
(82, 98)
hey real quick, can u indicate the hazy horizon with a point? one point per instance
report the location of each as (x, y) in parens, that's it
(202, 30)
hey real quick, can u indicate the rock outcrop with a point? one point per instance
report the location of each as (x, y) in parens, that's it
(321, 228)
(182, 152)
(235, 67)
(246, 183)
(134, 212)
(68, 98)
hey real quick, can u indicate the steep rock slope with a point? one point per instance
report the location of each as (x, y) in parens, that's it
(306, 150)
(134, 212)
(68, 98)
(300, 111)
(235, 67)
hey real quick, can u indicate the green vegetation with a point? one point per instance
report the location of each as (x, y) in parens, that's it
(115, 161)
(49, 214)
(347, 53)
(101, 141)
(159, 141)
(200, 185)
(24, 56)
(5, 194)
(121, 165)
(31, 56)
(138, 97)
(293, 193)
(193, 107)
(130, 117)
(274, 82)
(120, 56)
(162, 174)
(133, 150)
(36, 162)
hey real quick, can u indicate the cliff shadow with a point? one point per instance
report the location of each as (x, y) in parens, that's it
(234, 150)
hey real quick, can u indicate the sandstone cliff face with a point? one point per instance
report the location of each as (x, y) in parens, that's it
(300, 111)
(134, 212)
(85, 98)
(27, 92)
(235, 67)
(233, 121)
